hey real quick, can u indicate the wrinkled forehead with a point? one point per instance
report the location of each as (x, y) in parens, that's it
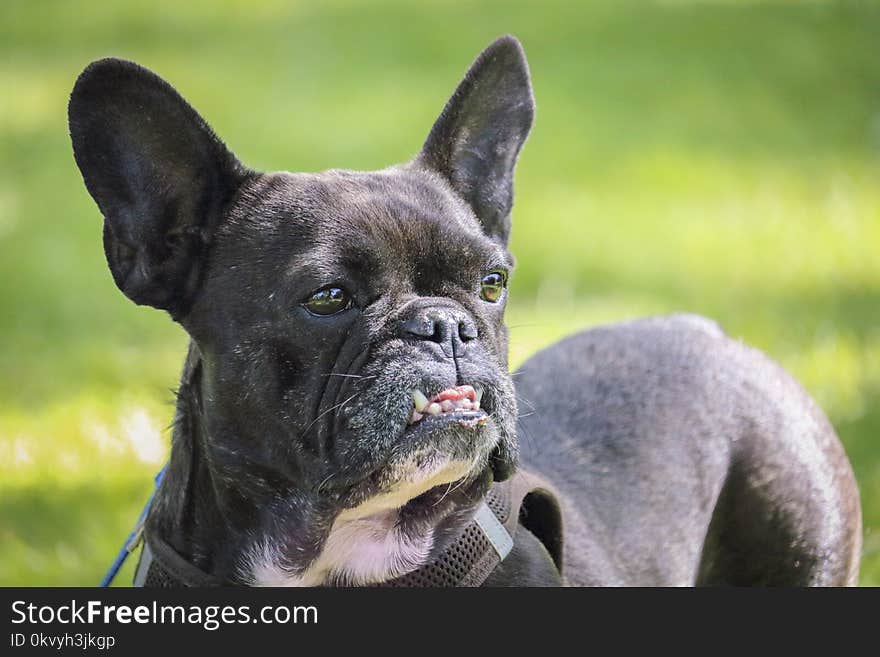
(371, 222)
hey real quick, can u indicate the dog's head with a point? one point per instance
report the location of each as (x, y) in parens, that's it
(349, 324)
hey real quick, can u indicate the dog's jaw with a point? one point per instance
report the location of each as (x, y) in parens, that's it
(367, 544)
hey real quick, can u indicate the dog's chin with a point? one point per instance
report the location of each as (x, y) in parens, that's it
(430, 463)
(420, 481)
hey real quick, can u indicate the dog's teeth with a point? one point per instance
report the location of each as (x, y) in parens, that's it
(419, 400)
(463, 398)
(466, 392)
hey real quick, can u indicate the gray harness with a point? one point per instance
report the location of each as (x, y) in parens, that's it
(483, 544)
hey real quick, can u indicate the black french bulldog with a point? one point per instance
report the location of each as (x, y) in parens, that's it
(346, 406)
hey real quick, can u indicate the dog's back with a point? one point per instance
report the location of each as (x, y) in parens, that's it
(684, 457)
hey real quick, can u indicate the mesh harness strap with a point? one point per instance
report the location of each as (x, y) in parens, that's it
(470, 559)
(482, 545)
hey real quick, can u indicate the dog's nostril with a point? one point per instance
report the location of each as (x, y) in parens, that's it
(442, 326)
(422, 327)
(467, 331)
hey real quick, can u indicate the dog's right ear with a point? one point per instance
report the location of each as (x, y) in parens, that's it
(159, 175)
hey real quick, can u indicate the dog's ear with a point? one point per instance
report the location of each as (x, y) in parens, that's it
(475, 142)
(159, 175)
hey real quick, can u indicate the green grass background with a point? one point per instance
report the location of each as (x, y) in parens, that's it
(714, 157)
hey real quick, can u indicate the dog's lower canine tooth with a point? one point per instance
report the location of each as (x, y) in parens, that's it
(478, 397)
(419, 400)
(415, 417)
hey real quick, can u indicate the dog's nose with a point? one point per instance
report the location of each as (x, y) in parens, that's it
(450, 328)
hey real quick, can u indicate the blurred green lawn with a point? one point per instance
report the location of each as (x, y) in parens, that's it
(715, 157)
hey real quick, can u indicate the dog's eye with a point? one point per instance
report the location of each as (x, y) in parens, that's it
(492, 286)
(327, 301)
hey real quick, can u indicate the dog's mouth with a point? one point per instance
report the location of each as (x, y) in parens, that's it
(460, 404)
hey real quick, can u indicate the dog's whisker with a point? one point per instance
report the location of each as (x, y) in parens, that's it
(525, 401)
(532, 325)
(525, 434)
(443, 497)
(450, 489)
(335, 407)
(353, 376)
(324, 482)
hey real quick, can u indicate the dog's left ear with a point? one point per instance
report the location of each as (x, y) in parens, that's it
(475, 142)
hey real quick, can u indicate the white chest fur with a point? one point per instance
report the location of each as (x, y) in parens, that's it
(366, 544)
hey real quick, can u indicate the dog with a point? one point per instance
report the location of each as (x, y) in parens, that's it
(346, 416)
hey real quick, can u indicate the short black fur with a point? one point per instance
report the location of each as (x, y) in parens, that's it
(678, 455)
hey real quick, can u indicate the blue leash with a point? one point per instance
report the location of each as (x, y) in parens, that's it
(134, 538)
